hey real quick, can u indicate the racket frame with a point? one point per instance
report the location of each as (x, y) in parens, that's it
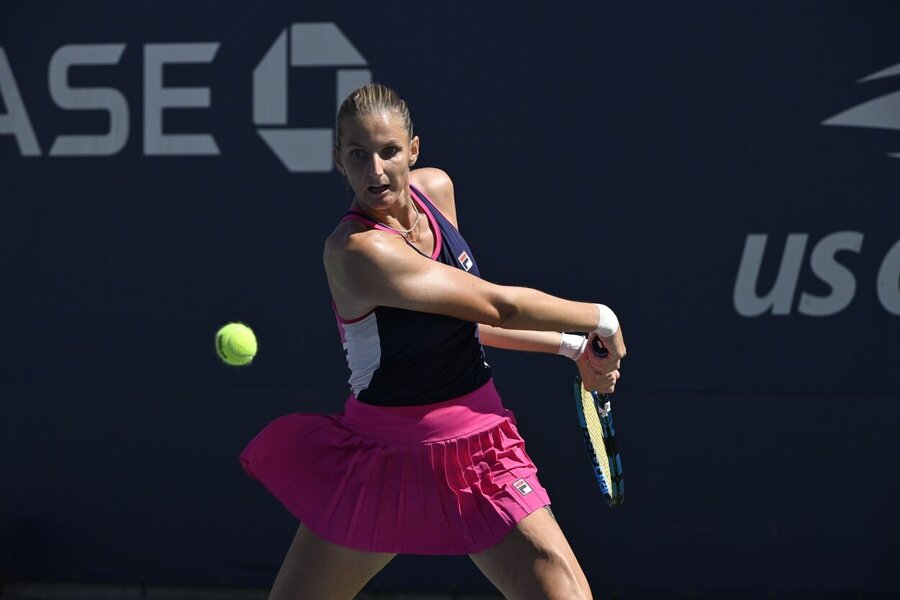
(614, 490)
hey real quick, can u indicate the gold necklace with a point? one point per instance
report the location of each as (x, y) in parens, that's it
(404, 232)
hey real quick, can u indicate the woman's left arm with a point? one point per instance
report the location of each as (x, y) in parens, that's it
(518, 339)
(550, 342)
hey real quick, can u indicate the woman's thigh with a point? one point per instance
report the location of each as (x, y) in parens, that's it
(315, 569)
(535, 561)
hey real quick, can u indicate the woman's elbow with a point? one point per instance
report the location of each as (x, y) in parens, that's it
(504, 316)
(501, 307)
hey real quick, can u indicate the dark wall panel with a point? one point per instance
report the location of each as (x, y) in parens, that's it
(724, 175)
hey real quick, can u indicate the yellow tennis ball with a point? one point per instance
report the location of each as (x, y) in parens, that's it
(236, 344)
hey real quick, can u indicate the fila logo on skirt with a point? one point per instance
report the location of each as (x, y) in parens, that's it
(523, 487)
(464, 260)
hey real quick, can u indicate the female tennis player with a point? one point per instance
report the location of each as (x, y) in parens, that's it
(424, 458)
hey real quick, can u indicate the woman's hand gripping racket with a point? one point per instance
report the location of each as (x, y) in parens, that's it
(595, 415)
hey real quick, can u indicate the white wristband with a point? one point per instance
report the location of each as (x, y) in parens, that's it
(572, 346)
(608, 324)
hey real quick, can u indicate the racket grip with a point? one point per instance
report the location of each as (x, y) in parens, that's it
(598, 348)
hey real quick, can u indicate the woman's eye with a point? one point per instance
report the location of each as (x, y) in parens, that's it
(357, 153)
(389, 152)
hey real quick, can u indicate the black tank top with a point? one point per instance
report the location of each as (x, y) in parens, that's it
(400, 357)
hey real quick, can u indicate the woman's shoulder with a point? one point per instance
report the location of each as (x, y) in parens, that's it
(353, 254)
(437, 185)
(351, 238)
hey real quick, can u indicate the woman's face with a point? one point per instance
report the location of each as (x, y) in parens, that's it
(376, 154)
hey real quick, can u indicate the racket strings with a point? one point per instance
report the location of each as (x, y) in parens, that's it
(595, 434)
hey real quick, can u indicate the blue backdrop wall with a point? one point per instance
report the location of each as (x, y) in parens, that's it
(725, 175)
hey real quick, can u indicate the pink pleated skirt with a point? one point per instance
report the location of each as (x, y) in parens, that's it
(446, 478)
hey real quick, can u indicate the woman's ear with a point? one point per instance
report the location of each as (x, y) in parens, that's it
(413, 150)
(336, 157)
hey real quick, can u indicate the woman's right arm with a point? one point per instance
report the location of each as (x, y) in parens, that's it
(375, 268)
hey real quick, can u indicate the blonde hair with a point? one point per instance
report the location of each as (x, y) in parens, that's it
(370, 99)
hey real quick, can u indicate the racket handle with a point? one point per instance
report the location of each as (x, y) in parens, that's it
(598, 348)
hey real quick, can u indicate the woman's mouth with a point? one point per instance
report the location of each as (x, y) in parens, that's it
(378, 189)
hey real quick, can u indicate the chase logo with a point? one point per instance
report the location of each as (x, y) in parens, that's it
(308, 45)
(880, 113)
(300, 150)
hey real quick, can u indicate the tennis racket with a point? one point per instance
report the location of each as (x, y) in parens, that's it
(595, 415)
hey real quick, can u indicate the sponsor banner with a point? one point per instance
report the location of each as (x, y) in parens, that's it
(724, 177)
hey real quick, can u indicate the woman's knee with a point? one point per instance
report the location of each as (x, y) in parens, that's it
(535, 561)
(561, 575)
(315, 569)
